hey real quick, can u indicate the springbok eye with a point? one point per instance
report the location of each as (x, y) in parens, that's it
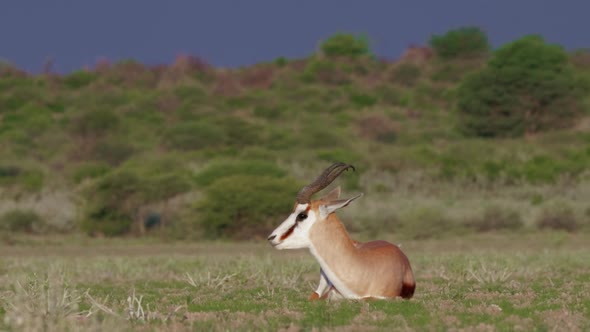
(300, 217)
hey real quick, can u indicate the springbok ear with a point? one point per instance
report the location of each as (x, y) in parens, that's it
(326, 209)
(332, 195)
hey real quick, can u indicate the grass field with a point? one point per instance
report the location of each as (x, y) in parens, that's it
(484, 282)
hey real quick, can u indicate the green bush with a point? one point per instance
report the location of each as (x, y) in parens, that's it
(56, 105)
(528, 86)
(112, 203)
(542, 169)
(24, 221)
(90, 170)
(281, 61)
(94, 123)
(239, 133)
(114, 200)
(32, 180)
(79, 79)
(112, 151)
(346, 45)
(14, 97)
(244, 206)
(221, 169)
(193, 136)
(31, 119)
(460, 43)
(362, 100)
(29, 179)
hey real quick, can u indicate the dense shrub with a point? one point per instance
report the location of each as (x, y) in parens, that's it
(347, 45)
(496, 218)
(32, 180)
(243, 206)
(31, 118)
(112, 203)
(238, 132)
(28, 179)
(89, 170)
(543, 169)
(26, 221)
(79, 79)
(13, 101)
(114, 200)
(94, 123)
(460, 43)
(193, 136)
(281, 61)
(558, 217)
(112, 151)
(362, 100)
(528, 86)
(221, 169)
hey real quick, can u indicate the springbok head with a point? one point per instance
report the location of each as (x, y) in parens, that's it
(293, 233)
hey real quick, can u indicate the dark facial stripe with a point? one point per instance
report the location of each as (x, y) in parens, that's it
(288, 232)
(292, 228)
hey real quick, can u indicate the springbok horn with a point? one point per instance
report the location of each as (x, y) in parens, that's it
(331, 173)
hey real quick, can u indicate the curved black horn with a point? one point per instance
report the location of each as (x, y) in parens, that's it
(322, 181)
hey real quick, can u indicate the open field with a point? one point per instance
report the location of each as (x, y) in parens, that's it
(525, 282)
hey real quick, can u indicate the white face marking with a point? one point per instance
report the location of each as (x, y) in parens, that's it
(299, 238)
(299, 235)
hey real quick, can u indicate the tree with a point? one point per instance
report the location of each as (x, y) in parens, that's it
(527, 86)
(342, 44)
(460, 43)
(115, 201)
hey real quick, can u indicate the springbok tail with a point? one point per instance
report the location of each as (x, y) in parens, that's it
(408, 285)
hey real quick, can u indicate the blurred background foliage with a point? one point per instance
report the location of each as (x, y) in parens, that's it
(450, 138)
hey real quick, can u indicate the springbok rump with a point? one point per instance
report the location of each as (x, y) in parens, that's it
(348, 269)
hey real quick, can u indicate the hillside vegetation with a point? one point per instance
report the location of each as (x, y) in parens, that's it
(447, 139)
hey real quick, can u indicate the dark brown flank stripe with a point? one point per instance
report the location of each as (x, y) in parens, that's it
(292, 228)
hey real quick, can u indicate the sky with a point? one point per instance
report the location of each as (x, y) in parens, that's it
(76, 33)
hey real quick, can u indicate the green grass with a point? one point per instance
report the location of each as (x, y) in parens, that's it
(490, 281)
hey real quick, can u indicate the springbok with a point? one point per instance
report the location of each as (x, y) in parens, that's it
(348, 269)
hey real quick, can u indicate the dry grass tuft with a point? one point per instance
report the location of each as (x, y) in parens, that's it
(497, 282)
